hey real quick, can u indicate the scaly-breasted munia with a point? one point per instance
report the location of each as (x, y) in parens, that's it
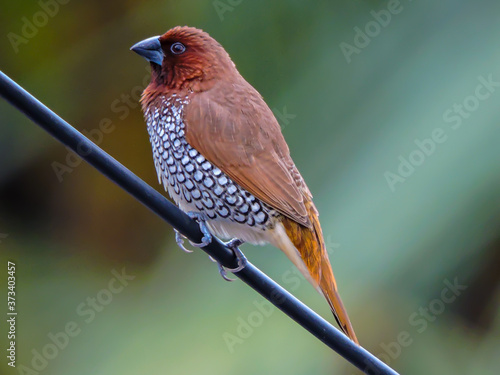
(219, 151)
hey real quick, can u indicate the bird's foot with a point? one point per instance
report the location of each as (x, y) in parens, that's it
(207, 236)
(202, 221)
(179, 238)
(241, 259)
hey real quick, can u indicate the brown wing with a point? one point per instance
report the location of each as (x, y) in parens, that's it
(233, 128)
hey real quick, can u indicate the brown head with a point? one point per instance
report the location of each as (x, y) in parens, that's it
(185, 59)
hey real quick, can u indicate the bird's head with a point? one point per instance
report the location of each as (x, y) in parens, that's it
(185, 58)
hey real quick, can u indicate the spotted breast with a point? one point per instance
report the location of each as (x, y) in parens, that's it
(198, 186)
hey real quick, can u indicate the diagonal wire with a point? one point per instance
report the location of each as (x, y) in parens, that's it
(157, 203)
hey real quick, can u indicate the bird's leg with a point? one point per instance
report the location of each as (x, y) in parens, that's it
(201, 219)
(207, 236)
(241, 259)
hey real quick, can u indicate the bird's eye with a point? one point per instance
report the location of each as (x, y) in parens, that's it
(177, 48)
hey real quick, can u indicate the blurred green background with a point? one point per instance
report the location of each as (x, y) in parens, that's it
(353, 109)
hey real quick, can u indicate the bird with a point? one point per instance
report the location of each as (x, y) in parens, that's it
(219, 152)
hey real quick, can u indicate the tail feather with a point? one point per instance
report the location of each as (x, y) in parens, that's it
(309, 244)
(329, 289)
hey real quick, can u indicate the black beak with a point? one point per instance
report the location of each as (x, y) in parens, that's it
(150, 49)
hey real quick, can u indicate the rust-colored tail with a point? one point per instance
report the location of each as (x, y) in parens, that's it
(311, 247)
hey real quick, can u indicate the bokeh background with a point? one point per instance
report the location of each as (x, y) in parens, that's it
(349, 119)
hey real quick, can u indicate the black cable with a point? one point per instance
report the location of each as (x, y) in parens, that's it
(156, 202)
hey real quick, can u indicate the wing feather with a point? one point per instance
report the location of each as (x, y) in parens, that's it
(244, 140)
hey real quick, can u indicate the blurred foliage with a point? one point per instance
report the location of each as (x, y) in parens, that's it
(393, 252)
